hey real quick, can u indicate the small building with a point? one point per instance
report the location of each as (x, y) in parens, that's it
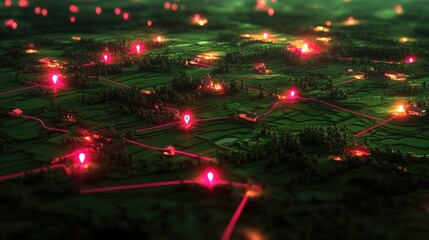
(395, 75)
(16, 112)
(416, 111)
(169, 151)
(261, 68)
(253, 117)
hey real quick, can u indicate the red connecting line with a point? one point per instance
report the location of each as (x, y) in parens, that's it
(165, 183)
(20, 174)
(115, 82)
(17, 90)
(346, 81)
(172, 109)
(210, 119)
(156, 127)
(270, 110)
(230, 227)
(162, 149)
(343, 109)
(375, 126)
(43, 124)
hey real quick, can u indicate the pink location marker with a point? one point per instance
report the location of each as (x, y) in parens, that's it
(292, 94)
(82, 157)
(54, 78)
(105, 57)
(186, 118)
(138, 47)
(210, 176)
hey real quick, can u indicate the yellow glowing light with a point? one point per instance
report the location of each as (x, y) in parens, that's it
(31, 51)
(321, 29)
(324, 39)
(158, 39)
(351, 21)
(403, 39)
(265, 36)
(401, 109)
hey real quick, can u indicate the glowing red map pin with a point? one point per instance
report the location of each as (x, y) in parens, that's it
(105, 57)
(186, 118)
(82, 157)
(210, 176)
(54, 78)
(138, 47)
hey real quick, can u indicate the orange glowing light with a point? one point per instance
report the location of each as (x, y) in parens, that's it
(158, 39)
(305, 48)
(76, 38)
(351, 21)
(328, 23)
(265, 36)
(403, 39)
(399, 9)
(401, 109)
(271, 12)
(31, 51)
(321, 29)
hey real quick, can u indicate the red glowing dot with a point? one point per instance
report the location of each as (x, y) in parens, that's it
(44, 12)
(271, 12)
(292, 93)
(186, 118)
(411, 60)
(105, 57)
(54, 78)
(14, 25)
(23, 3)
(149, 23)
(328, 23)
(98, 10)
(138, 47)
(210, 176)
(197, 16)
(174, 7)
(82, 157)
(117, 11)
(167, 5)
(37, 10)
(8, 3)
(125, 16)
(72, 19)
(74, 8)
